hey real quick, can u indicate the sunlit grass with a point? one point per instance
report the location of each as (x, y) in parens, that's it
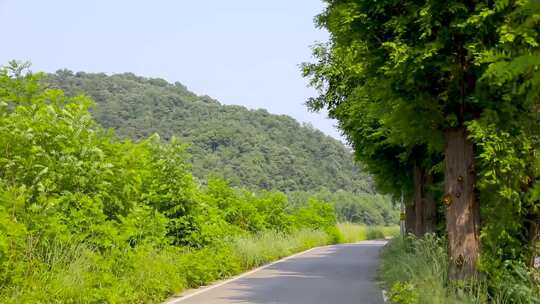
(415, 271)
(268, 246)
(355, 232)
(390, 231)
(146, 274)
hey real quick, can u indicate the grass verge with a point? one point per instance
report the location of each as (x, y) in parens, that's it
(149, 274)
(415, 272)
(146, 274)
(354, 232)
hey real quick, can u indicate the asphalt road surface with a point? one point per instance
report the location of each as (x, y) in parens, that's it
(338, 274)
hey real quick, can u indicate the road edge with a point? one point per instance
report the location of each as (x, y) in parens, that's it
(189, 293)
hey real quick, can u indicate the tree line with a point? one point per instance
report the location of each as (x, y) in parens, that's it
(249, 148)
(439, 100)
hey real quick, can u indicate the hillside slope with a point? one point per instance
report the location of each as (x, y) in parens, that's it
(251, 148)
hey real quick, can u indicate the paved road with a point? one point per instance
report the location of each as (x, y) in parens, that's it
(340, 274)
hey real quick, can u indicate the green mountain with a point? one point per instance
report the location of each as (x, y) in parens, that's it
(250, 148)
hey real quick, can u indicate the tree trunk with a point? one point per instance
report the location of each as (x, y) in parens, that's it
(430, 207)
(462, 208)
(410, 217)
(425, 207)
(418, 177)
(532, 226)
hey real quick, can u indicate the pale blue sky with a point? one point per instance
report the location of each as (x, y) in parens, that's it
(243, 52)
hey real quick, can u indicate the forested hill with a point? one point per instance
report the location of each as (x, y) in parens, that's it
(251, 148)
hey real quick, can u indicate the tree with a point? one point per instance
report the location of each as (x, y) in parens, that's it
(393, 166)
(425, 71)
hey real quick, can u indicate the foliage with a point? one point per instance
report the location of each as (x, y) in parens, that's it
(249, 148)
(261, 248)
(505, 161)
(354, 232)
(373, 233)
(399, 75)
(86, 217)
(403, 293)
(361, 208)
(147, 274)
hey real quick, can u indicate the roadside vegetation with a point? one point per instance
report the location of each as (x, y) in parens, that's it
(354, 232)
(415, 271)
(72, 272)
(87, 217)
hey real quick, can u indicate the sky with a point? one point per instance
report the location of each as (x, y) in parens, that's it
(241, 52)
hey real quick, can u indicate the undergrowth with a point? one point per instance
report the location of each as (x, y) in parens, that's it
(149, 274)
(355, 232)
(68, 272)
(415, 272)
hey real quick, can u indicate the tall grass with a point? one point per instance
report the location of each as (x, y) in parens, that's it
(390, 231)
(409, 268)
(74, 273)
(146, 274)
(415, 271)
(254, 251)
(355, 232)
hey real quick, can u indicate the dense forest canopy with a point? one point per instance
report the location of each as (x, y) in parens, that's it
(250, 148)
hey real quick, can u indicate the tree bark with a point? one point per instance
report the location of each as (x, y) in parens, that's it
(425, 207)
(462, 208)
(430, 207)
(532, 226)
(418, 176)
(410, 217)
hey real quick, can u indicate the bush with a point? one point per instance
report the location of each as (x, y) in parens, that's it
(359, 208)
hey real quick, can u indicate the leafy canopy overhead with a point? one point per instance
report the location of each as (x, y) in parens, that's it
(399, 75)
